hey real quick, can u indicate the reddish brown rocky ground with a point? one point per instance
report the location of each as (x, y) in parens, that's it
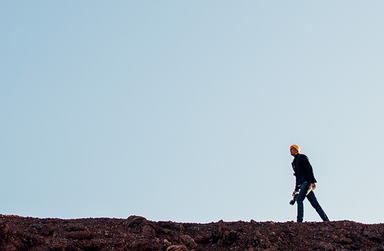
(137, 233)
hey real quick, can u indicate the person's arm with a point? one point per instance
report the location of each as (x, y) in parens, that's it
(297, 187)
(309, 170)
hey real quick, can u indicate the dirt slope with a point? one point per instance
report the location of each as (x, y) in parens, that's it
(137, 233)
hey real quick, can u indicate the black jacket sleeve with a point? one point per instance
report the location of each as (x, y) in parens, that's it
(308, 169)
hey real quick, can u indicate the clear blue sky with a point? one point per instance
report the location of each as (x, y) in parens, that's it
(185, 110)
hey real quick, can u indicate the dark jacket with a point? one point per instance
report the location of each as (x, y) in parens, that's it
(303, 170)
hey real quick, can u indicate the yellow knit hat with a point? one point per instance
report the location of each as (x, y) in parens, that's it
(296, 147)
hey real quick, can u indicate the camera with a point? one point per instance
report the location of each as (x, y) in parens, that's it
(292, 202)
(295, 194)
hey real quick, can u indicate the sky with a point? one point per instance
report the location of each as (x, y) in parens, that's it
(185, 110)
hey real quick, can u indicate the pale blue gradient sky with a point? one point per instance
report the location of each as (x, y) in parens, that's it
(185, 110)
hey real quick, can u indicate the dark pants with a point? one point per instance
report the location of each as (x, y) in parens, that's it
(312, 199)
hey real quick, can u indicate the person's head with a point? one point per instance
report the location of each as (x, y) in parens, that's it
(295, 150)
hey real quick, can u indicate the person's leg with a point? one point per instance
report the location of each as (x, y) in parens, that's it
(315, 204)
(300, 199)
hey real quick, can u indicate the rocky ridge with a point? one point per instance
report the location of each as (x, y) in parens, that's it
(137, 233)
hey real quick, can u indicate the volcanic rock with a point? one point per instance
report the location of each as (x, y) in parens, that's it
(139, 234)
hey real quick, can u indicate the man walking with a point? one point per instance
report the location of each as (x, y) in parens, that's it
(304, 181)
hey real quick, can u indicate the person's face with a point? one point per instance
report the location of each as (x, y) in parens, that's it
(294, 151)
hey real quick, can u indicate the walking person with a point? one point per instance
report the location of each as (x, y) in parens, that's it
(305, 182)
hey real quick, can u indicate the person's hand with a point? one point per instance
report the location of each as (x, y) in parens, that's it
(295, 192)
(313, 185)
